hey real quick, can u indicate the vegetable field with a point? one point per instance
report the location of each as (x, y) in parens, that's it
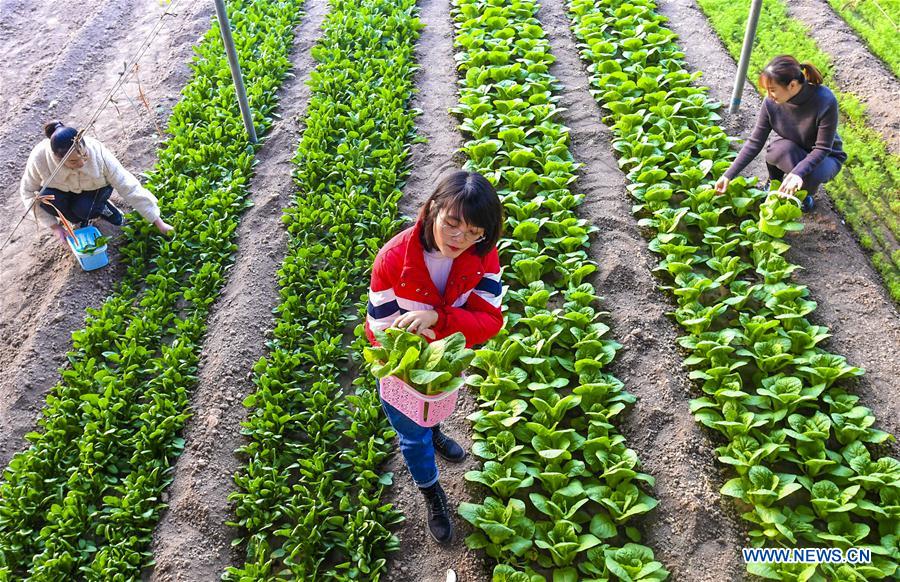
(680, 375)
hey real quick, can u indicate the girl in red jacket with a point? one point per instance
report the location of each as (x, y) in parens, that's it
(440, 276)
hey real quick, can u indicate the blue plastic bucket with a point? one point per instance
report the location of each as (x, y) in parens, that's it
(85, 237)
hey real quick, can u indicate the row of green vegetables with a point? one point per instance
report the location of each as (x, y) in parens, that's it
(308, 503)
(82, 501)
(876, 21)
(866, 189)
(563, 487)
(803, 450)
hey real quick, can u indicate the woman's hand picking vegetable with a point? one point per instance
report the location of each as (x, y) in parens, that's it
(419, 322)
(60, 232)
(722, 185)
(162, 226)
(791, 183)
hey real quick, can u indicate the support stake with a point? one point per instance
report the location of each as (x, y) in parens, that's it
(744, 63)
(236, 75)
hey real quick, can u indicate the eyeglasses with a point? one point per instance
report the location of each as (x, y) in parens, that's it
(79, 154)
(453, 231)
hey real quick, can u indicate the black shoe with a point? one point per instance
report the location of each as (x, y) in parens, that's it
(440, 520)
(808, 204)
(446, 446)
(111, 214)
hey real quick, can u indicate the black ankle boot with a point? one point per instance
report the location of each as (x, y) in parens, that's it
(440, 522)
(111, 214)
(446, 446)
(808, 204)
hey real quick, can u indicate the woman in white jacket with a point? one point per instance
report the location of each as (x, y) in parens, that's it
(81, 189)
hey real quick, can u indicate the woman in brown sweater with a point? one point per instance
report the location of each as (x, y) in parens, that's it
(807, 151)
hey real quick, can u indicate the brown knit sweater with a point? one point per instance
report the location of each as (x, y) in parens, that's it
(809, 119)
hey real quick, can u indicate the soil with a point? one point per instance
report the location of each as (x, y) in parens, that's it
(856, 69)
(420, 559)
(52, 66)
(690, 525)
(192, 541)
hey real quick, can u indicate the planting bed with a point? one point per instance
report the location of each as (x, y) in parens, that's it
(246, 419)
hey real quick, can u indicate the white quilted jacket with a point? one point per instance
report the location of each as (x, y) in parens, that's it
(101, 169)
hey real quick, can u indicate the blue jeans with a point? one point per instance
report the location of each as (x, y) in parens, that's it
(783, 154)
(78, 207)
(416, 446)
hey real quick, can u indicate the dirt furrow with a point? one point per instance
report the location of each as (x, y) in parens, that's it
(192, 541)
(853, 303)
(856, 69)
(33, 43)
(690, 526)
(43, 292)
(420, 559)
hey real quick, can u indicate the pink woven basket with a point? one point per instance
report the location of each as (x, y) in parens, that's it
(422, 410)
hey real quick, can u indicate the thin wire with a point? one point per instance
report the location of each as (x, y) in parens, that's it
(123, 76)
(886, 15)
(856, 3)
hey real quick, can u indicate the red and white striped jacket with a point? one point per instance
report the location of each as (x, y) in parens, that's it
(401, 283)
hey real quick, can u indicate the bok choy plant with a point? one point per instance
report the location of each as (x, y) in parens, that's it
(803, 450)
(561, 488)
(431, 368)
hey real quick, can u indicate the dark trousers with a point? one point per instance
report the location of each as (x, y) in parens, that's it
(78, 207)
(783, 155)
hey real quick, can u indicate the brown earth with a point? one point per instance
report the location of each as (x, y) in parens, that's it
(855, 68)
(420, 559)
(192, 541)
(691, 525)
(58, 61)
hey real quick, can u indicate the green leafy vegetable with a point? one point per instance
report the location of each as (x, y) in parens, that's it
(430, 368)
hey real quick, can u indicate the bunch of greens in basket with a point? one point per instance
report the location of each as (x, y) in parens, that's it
(92, 247)
(431, 368)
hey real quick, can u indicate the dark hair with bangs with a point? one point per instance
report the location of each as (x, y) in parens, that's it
(473, 199)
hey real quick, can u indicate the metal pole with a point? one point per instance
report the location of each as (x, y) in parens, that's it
(225, 27)
(744, 63)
